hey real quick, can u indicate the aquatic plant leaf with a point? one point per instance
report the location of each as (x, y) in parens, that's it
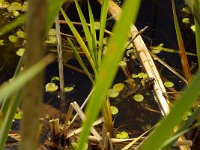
(55, 78)
(21, 34)
(18, 115)
(122, 135)
(51, 87)
(52, 32)
(158, 48)
(1, 42)
(186, 20)
(114, 110)
(138, 97)
(142, 75)
(118, 87)
(168, 84)
(15, 13)
(68, 88)
(122, 63)
(20, 51)
(14, 6)
(12, 38)
(192, 28)
(112, 93)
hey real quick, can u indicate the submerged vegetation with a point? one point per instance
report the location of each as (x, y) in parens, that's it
(123, 109)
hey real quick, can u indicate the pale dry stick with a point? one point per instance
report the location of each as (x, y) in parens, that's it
(77, 131)
(60, 65)
(82, 116)
(168, 67)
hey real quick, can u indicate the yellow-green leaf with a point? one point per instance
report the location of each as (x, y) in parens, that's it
(122, 135)
(138, 97)
(51, 87)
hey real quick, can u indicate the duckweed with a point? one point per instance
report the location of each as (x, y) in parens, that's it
(168, 84)
(118, 87)
(20, 51)
(114, 110)
(112, 93)
(21, 34)
(122, 135)
(12, 38)
(51, 87)
(138, 97)
(68, 89)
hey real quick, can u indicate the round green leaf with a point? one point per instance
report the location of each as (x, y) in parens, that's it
(12, 38)
(114, 110)
(168, 84)
(20, 51)
(122, 63)
(122, 135)
(118, 87)
(51, 87)
(112, 93)
(55, 78)
(138, 97)
(14, 6)
(186, 20)
(21, 34)
(68, 89)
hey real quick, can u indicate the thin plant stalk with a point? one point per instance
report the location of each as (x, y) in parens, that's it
(184, 60)
(60, 66)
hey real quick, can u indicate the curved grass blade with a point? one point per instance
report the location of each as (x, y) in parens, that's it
(85, 29)
(109, 67)
(93, 33)
(104, 11)
(80, 61)
(80, 40)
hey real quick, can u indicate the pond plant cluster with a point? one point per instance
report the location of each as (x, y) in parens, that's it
(97, 93)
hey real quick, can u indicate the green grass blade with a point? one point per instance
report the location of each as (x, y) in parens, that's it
(85, 29)
(79, 40)
(104, 11)
(8, 120)
(80, 61)
(19, 81)
(184, 60)
(93, 33)
(197, 30)
(167, 125)
(109, 66)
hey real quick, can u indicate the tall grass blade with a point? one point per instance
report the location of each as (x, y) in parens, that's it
(104, 12)
(174, 118)
(85, 29)
(93, 33)
(80, 61)
(184, 60)
(109, 66)
(79, 40)
(197, 30)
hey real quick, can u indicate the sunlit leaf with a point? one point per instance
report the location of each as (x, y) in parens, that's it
(138, 97)
(122, 135)
(18, 115)
(114, 110)
(186, 20)
(68, 88)
(51, 87)
(15, 6)
(118, 87)
(15, 13)
(168, 84)
(158, 48)
(112, 93)
(21, 34)
(20, 51)
(12, 38)
(55, 78)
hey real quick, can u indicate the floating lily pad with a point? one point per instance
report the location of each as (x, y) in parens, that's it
(192, 28)
(122, 135)
(186, 20)
(122, 63)
(68, 89)
(51, 87)
(138, 97)
(55, 78)
(118, 87)
(114, 110)
(112, 93)
(15, 6)
(168, 84)
(15, 13)
(142, 75)
(1, 42)
(20, 51)
(21, 34)
(12, 38)
(18, 115)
